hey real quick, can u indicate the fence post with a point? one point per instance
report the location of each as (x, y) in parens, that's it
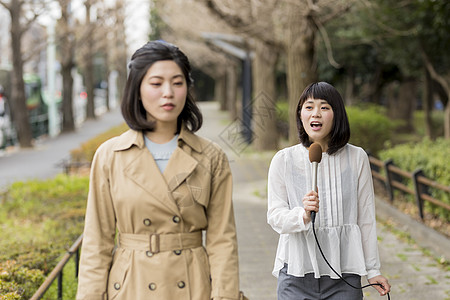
(77, 262)
(66, 166)
(419, 189)
(389, 187)
(60, 285)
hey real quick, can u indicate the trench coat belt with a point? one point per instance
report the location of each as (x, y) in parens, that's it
(155, 243)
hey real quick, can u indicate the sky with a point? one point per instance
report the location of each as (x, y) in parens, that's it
(136, 22)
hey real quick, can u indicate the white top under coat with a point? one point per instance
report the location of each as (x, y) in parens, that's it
(345, 224)
(161, 152)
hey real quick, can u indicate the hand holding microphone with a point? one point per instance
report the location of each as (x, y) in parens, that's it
(315, 156)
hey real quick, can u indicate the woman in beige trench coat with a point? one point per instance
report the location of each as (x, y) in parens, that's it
(146, 212)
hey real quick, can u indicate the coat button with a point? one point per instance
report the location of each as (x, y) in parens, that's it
(177, 252)
(152, 286)
(181, 284)
(149, 253)
(147, 222)
(117, 286)
(176, 219)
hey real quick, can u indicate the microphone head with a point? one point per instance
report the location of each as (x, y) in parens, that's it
(315, 153)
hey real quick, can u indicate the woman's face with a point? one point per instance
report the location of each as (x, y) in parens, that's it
(163, 93)
(317, 119)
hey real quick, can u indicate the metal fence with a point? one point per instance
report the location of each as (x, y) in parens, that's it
(57, 272)
(394, 177)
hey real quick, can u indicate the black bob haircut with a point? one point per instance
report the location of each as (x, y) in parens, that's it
(340, 132)
(132, 109)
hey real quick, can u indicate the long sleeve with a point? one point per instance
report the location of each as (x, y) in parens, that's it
(366, 219)
(99, 233)
(282, 217)
(221, 240)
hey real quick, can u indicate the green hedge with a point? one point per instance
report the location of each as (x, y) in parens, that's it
(40, 219)
(370, 128)
(433, 158)
(18, 282)
(87, 149)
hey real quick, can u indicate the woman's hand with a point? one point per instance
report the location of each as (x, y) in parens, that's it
(385, 286)
(310, 203)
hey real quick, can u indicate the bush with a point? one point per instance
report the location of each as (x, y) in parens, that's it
(369, 127)
(39, 220)
(85, 153)
(433, 158)
(18, 282)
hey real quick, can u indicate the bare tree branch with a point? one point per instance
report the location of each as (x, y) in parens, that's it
(340, 10)
(394, 31)
(252, 28)
(5, 5)
(328, 47)
(231, 19)
(440, 79)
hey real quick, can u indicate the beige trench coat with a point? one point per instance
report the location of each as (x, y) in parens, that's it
(159, 218)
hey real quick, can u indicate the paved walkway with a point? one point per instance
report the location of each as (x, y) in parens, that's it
(43, 161)
(412, 274)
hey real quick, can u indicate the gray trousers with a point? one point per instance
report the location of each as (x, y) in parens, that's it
(310, 288)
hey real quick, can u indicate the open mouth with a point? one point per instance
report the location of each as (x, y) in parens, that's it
(315, 125)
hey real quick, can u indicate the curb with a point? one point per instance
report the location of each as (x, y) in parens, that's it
(423, 235)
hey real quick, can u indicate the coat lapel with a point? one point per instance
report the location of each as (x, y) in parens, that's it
(144, 172)
(180, 166)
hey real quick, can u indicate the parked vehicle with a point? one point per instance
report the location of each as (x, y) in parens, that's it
(7, 133)
(37, 112)
(37, 109)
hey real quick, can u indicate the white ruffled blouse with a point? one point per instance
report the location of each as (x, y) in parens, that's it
(345, 224)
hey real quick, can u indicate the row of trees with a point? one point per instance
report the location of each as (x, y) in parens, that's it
(385, 52)
(100, 35)
(391, 53)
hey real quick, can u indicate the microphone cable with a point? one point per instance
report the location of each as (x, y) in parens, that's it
(323, 255)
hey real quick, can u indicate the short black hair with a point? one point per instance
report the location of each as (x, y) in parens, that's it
(132, 109)
(340, 133)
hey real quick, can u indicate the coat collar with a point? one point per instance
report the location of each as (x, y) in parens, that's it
(133, 137)
(181, 164)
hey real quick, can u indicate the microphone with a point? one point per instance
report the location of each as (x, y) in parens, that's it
(315, 156)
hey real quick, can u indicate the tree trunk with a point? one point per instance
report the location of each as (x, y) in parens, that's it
(67, 101)
(402, 103)
(349, 94)
(120, 50)
(89, 71)
(264, 98)
(220, 91)
(407, 103)
(18, 98)
(301, 68)
(428, 104)
(67, 45)
(447, 117)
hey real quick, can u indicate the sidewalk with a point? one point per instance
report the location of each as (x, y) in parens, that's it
(411, 274)
(43, 160)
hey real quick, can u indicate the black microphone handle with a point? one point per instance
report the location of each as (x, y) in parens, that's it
(313, 216)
